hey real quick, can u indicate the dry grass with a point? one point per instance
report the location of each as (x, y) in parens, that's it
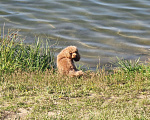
(46, 95)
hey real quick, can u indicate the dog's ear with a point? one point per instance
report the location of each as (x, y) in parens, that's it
(68, 54)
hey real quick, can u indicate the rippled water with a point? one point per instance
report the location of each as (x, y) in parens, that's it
(100, 29)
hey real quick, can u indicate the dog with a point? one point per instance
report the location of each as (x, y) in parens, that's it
(65, 62)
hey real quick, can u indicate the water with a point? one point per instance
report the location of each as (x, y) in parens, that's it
(100, 29)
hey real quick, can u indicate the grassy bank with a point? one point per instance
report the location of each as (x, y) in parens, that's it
(31, 91)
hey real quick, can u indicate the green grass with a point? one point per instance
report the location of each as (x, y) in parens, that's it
(32, 91)
(15, 55)
(129, 65)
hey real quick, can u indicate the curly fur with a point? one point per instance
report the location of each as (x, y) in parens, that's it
(65, 61)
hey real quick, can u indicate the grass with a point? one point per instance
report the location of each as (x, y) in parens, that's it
(15, 55)
(31, 91)
(129, 65)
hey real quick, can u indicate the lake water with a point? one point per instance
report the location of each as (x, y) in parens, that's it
(101, 29)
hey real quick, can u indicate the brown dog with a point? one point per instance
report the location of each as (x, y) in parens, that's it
(65, 61)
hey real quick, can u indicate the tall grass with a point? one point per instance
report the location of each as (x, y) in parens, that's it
(129, 65)
(14, 55)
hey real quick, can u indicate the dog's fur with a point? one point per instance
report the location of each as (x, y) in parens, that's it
(65, 61)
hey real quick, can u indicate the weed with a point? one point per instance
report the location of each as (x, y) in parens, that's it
(129, 66)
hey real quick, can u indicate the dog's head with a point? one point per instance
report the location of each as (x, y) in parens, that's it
(72, 53)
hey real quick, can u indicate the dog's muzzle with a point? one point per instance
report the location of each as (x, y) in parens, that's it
(75, 57)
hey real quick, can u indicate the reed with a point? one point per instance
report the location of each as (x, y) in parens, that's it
(14, 55)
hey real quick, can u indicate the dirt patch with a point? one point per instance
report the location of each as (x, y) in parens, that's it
(8, 115)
